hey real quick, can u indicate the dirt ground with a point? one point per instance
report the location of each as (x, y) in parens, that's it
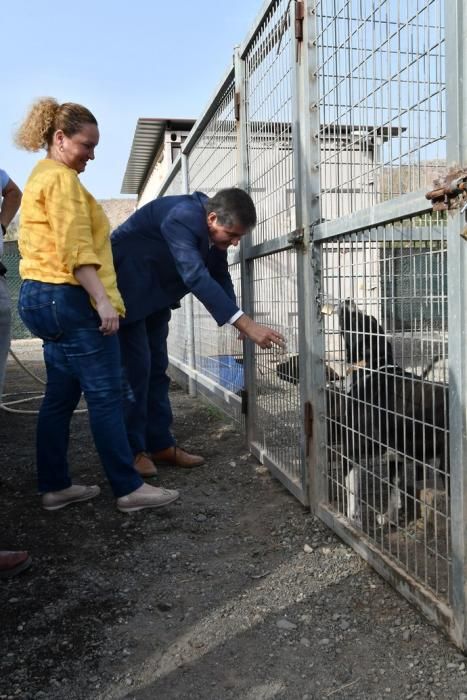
(234, 592)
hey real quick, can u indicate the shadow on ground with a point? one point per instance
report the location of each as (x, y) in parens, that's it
(215, 597)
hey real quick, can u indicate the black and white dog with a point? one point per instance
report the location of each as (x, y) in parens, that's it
(388, 410)
(383, 410)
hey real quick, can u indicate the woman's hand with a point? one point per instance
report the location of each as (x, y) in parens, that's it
(89, 279)
(110, 319)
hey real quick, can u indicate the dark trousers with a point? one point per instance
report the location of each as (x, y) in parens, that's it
(148, 413)
(78, 359)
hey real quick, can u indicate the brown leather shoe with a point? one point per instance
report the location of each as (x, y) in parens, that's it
(12, 563)
(177, 457)
(144, 465)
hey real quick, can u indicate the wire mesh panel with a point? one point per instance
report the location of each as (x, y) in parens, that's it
(387, 414)
(11, 259)
(275, 400)
(177, 342)
(218, 350)
(173, 184)
(212, 163)
(382, 105)
(269, 74)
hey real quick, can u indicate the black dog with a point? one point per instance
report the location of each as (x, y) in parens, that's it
(289, 371)
(382, 406)
(387, 407)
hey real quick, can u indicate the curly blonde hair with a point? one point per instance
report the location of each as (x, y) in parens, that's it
(45, 117)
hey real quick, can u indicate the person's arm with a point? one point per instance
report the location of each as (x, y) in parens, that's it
(11, 200)
(263, 336)
(89, 279)
(181, 231)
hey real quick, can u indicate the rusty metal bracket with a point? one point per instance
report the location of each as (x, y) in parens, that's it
(451, 193)
(308, 425)
(237, 106)
(299, 16)
(297, 237)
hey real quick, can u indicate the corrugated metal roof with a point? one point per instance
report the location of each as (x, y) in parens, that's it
(147, 141)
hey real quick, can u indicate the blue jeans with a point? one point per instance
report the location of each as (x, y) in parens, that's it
(148, 413)
(78, 358)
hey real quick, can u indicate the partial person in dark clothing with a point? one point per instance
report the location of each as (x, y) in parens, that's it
(166, 249)
(11, 563)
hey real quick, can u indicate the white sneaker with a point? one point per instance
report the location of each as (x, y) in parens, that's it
(53, 500)
(146, 496)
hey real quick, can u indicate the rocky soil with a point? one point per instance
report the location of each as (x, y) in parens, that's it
(235, 592)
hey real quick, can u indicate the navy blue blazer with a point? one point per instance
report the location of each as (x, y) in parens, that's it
(162, 252)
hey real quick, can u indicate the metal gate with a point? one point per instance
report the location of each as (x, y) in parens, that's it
(334, 118)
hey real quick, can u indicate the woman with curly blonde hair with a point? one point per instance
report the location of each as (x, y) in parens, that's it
(69, 298)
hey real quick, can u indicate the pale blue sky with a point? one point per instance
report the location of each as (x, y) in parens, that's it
(121, 59)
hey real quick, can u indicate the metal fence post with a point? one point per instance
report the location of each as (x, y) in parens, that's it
(307, 159)
(456, 95)
(190, 321)
(246, 265)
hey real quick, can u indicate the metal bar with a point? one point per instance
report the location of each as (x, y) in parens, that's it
(436, 611)
(176, 166)
(256, 27)
(276, 245)
(227, 396)
(189, 318)
(200, 124)
(405, 206)
(295, 486)
(246, 277)
(311, 342)
(456, 74)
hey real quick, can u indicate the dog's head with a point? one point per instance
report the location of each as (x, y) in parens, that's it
(365, 341)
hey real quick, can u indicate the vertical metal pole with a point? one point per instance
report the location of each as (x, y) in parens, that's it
(246, 265)
(456, 95)
(308, 207)
(189, 315)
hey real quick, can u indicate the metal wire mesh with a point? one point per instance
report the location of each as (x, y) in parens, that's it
(219, 352)
(382, 104)
(212, 163)
(173, 185)
(277, 426)
(11, 258)
(387, 424)
(177, 341)
(382, 290)
(269, 66)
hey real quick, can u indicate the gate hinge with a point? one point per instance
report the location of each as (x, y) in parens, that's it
(237, 106)
(308, 425)
(244, 397)
(296, 237)
(299, 15)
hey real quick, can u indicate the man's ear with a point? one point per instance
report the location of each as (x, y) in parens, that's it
(212, 218)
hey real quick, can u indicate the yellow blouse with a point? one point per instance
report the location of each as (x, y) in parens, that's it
(62, 227)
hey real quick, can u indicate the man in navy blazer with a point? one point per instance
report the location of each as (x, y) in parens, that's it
(169, 247)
